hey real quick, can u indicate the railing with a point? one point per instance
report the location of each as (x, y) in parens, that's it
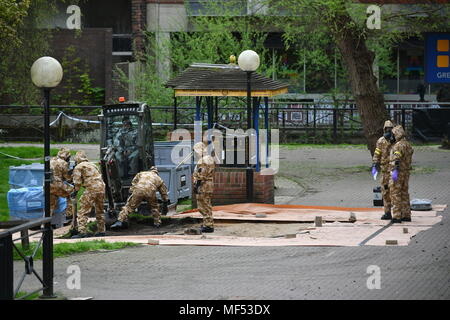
(294, 116)
(7, 247)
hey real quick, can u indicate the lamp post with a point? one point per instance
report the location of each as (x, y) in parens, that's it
(248, 61)
(46, 73)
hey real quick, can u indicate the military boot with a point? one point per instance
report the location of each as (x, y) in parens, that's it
(406, 219)
(206, 229)
(100, 234)
(386, 216)
(118, 225)
(80, 235)
(396, 220)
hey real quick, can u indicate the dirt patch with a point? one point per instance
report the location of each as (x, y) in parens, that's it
(178, 226)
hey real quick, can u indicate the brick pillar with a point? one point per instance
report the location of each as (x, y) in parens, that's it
(138, 20)
(230, 187)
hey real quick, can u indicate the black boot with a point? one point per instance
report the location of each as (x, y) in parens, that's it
(80, 235)
(406, 219)
(206, 229)
(396, 220)
(386, 216)
(100, 234)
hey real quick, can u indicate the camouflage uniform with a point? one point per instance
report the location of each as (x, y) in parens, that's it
(143, 188)
(126, 143)
(60, 173)
(401, 156)
(204, 172)
(381, 158)
(86, 174)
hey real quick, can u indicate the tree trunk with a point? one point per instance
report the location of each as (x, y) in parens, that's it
(359, 60)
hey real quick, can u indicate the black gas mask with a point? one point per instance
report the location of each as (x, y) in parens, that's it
(389, 136)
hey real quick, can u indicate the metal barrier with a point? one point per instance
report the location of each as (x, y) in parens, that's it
(7, 246)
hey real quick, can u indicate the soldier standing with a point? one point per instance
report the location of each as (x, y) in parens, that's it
(87, 175)
(400, 165)
(203, 177)
(143, 188)
(60, 186)
(380, 162)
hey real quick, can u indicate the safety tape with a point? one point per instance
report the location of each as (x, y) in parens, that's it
(17, 158)
(98, 122)
(398, 153)
(377, 151)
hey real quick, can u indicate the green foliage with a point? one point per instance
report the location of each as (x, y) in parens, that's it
(209, 40)
(24, 37)
(76, 87)
(66, 249)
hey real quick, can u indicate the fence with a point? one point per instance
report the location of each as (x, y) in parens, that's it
(290, 116)
(7, 247)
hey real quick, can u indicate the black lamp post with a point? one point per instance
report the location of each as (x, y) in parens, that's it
(249, 61)
(46, 73)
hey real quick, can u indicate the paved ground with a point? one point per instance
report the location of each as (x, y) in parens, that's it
(326, 177)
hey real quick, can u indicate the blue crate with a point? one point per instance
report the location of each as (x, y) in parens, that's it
(26, 175)
(28, 203)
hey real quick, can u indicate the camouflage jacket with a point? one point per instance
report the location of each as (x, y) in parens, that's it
(382, 153)
(147, 180)
(401, 151)
(60, 170)
(126, 140)
(204, 171)
(86, 174)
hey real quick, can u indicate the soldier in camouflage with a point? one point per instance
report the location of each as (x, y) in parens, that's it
(61, 180)
(380, 162)
(143, 188)
(400, 167)
(87, 175)
(203, 182)
(127, 152)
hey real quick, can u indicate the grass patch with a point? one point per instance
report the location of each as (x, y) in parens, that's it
(66, 249)
(6, 162)
(24, 293)
(183, 205)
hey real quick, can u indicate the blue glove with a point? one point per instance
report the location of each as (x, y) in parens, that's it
(395, 174)
(374, 170)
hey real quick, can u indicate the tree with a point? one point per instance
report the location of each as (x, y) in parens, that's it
(23, 39)
(345, 22)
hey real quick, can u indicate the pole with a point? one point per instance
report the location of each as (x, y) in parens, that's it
(174, 112)
(249, 173)
(6, 269)
(47, 254)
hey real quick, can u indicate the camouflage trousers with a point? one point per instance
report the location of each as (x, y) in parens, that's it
(205, 208)
(136, 199)
(60, 189)
(88, 200)
(385, 176)
(400, 196)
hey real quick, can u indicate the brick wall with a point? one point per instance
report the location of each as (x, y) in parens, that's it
(138, 21)
(93, 46)
(230, 187)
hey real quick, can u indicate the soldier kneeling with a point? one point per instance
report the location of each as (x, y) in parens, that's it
(143, 188)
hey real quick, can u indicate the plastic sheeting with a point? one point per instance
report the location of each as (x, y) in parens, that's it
(28, 203)
(29, 175)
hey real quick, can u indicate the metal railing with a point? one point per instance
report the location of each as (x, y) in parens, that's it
(7, 247)
(294, 116)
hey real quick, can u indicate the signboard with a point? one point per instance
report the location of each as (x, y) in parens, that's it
(437, 57)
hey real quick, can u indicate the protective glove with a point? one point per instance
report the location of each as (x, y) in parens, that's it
(374, 170)
(164, 208)
(395, 174)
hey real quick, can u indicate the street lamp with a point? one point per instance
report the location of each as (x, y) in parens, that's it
(248, 61)
(46, 73)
